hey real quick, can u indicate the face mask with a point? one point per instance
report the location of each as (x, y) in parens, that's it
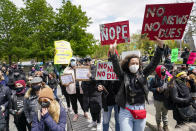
(163, 73)
(36, 87)
(133, 68)
(73, 63)
(18, 90)
(45, 104)
(183, 79)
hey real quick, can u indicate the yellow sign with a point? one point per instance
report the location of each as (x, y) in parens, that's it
(63, 52)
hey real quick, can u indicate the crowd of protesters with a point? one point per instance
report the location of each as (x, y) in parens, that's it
(32, 97)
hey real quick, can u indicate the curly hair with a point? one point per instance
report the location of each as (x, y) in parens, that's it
(126, 60)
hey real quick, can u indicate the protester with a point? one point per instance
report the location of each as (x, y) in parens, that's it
(74, 90)
(150, 53)
(158, 85)
(167, 51)
(185, 56)
(5, 74)
(182, 99)
(133, 90)
(108, 100)
(5, 94)
(31, 97)
(92, 96)
(2, 79)
(53, 83)
(60, 70)
(50, 68)
(17, 106)
(167, 63)
(51, 116)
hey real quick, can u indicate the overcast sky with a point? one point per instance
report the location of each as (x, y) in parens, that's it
(107, 11)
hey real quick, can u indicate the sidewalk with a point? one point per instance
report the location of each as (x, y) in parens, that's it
(82, 123)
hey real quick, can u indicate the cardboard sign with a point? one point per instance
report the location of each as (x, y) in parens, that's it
(174, 55)
(115, 31)
(63, 52)
(192, 58)
(167, 21)
(126, 53)
(81, 73)
(66, 79)
(105, 71)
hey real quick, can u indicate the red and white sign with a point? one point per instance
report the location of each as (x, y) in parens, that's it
(105, 71)
(167, 21)
(115, 31)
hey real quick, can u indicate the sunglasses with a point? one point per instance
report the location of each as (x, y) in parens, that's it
(43, 100)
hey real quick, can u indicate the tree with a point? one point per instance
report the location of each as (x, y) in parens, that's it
(71, 23)
(9, 21)
(39, 17)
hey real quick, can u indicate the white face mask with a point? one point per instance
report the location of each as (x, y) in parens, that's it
(133, 68)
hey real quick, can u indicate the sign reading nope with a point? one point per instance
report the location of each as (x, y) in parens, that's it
(114, 31)
(105, 71)
(167, 21)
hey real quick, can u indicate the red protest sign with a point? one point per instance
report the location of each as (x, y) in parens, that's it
(114, 31)
(105, 71)
(167, 21)
(192, 58)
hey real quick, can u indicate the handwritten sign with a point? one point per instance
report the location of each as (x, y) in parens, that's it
(81, 73)
(167, 21)
(115, 31)
(192, 58)
(66, 79)
(105, 71)
(63, 52)
(174, 55)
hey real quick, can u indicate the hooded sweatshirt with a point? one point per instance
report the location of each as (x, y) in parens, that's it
(157, 82)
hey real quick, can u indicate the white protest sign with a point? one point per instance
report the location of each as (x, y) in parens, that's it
(66, 79)
(105, 71)
(81, 73)
(126, 53)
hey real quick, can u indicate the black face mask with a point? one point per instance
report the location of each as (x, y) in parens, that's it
(45, 104)
(36, 88)
(183, 79)
(163, 73)
(18, 90)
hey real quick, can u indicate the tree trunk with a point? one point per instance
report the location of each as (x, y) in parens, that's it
(10, 59)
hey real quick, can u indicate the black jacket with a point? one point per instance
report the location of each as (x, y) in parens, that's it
(5, 94)
(30, 105)
(17, 103)
(112, 87)
(180, 94)
(140, 90)
(91, 95)
(156, 83)
(53, 83)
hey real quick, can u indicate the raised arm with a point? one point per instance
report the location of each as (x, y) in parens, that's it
(156, 59)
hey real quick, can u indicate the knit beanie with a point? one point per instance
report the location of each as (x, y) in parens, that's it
(22, 82)
(46, 93)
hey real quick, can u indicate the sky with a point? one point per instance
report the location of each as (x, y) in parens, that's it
(108, 11)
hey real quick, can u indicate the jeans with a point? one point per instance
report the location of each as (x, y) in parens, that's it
(127, 122)
(107, 116)
(161, 112)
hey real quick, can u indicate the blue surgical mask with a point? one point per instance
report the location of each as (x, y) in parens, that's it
(73, 63)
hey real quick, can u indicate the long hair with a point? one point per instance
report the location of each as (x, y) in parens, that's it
(126, 60)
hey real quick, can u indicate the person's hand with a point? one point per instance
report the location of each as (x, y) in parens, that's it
(113, 48)
(159, 42)
(89, 75)
(157, 89)
(44, 111)
(100, 87)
